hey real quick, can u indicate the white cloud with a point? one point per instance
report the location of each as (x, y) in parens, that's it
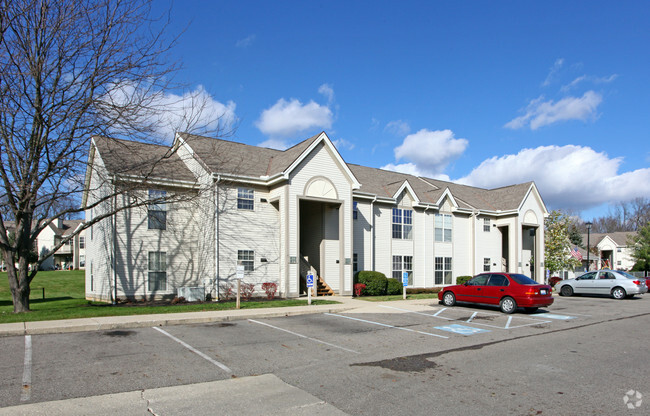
(542, 113)
(569, 176)
(428, 152)
(398, 128)
(246, 42)
(167, 113)
(343, 144)
(587, 78)
(328, 92)
(557, 65)
(288, 119)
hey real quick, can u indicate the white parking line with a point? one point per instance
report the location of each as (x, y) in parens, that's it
(387, 326)
(194, 350)
(436, 315)
(472, 317)
(304, 336)
(27, 371)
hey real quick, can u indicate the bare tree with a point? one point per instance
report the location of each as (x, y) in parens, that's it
(72, 69)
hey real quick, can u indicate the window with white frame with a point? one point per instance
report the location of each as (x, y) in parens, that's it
(486, 264)
(157, 271)
(157, 210)
(247, 259)
(443, 228)
(355, 211)
(442, 270)
(403, 223)
(402, 264)
(355, 262)
(486, 225)
(245, 199)
(82, 242)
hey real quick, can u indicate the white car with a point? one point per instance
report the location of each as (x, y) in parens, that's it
(604, 282)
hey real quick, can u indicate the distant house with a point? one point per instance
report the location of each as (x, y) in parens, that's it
(607, 251)
(72, 255)
(274, 216)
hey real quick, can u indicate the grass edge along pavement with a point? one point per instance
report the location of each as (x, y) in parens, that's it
(65, 299)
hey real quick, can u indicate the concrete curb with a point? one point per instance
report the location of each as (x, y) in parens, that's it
(182, 318)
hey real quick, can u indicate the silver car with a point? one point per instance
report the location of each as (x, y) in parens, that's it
(604, 282)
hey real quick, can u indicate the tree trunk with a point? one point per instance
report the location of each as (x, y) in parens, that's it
(20, 297)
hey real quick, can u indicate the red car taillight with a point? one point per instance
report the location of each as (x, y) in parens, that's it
(637, 282)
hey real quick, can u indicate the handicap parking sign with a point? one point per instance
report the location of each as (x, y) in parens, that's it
(310, 280)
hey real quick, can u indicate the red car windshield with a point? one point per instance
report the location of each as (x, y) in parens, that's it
(522, 279)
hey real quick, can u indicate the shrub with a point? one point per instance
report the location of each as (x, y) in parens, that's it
(553, 281)
(227, 291)
(394, 287)
(358, 288)
(178, 300)
(270, 288)
(375, 282)
(462, 279)
(247, 290)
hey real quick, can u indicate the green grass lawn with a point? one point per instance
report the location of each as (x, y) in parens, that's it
(65, 299)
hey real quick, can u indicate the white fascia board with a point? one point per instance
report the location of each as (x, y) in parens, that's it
(448, 194)
(328, 143)
(92, 153)
(252, 180)
(158, 181)
(407, 186)
(533, 190)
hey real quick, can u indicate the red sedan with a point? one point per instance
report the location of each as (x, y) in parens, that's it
(508, 290)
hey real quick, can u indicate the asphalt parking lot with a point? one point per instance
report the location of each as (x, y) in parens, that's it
(383, 358)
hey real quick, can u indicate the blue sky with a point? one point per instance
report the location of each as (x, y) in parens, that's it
(484, 93)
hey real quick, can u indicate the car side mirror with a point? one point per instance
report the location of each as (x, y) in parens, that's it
(466, 284)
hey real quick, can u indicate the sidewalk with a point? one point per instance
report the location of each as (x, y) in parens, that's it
(141, 321)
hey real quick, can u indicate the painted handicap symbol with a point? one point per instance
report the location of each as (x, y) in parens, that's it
(461, 329)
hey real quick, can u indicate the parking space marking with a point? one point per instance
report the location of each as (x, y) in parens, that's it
(555, 316)
(461, 329)
(194, 350)
(304, 336)
(387, 326)
(474, 315)
(26, 392)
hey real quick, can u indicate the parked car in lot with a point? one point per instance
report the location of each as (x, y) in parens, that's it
(508, 290)
(604, 282)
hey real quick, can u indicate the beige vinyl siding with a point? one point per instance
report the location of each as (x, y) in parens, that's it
(242, 229)
(384, 239)
(363, 234)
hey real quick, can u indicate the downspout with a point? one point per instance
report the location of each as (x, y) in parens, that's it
(215, 193)
(114, 232)
(372, 235)
(475, 217)
(425, 248)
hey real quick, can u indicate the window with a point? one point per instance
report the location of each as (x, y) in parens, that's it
(443, 228)
(486, 264)
(247, 259)
(403, 223)
(157, 270)
(157, 213)
(442, 270)
(486, 225)
(403, 264)
(355, 211)
(82, 242)
(498, 280)
(82, 260)
(245, 199)
(355, 262)
(618, 249)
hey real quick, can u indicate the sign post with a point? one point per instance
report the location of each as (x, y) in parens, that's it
(310, 285)
(240, 275)
(405, 282)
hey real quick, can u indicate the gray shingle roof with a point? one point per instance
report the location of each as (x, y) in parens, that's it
(228, 157)
(619, 237)
(123, 157)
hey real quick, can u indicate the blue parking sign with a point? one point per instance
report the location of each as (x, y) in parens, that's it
(405, 278)
(310, 280)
